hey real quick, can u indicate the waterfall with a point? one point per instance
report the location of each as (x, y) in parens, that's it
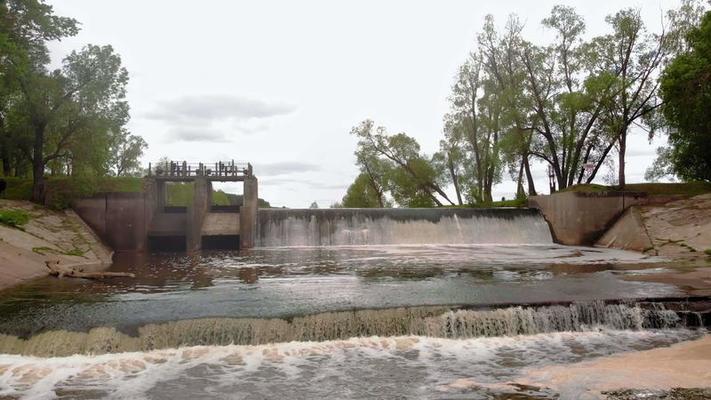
(338, 227)
(441, 322)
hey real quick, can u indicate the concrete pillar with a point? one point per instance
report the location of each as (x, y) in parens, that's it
(248, 214)
(209, 196)
(161, 195)
(196, 214)
(150, 208)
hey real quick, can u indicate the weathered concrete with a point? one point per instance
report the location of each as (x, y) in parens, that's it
(126, 220)
(164, 224)
(118, 218)
(627, 233)
(221, 224)
(202, 193)
(248, 214)
(581, 218)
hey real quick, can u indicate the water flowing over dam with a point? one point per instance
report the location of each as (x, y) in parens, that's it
(356, 227)
(439, 322)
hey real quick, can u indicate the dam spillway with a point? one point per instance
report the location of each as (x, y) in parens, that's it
(403, 226)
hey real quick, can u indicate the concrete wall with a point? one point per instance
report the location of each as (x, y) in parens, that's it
(581, 218)
(628, 233)
(248, 214)
(119, 219)
(196, 213)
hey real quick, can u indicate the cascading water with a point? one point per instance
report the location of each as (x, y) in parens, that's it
(339, 227)
(436, 322)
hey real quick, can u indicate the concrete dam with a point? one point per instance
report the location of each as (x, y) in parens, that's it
(400, 226)
(147, 221)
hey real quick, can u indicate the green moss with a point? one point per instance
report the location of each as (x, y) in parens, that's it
(75, 252)
(43, 250)
(14, 217)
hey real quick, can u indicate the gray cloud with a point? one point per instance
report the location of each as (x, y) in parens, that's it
(312, 184)
(195, 134)
(284, 168)
(209, 108)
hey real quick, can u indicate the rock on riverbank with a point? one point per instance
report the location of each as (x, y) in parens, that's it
(46, 235)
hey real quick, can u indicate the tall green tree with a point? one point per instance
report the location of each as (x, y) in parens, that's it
(86, 96)
(411, 176)
(686, 94)
(71, 120)
(363, 194)
(566, 101)
(25, 27)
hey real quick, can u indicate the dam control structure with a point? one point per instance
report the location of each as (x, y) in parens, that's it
(201, 222)
(146, 220)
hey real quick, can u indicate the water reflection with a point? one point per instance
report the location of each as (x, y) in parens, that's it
(291, 281)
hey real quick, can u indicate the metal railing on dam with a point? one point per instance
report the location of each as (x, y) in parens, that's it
(183, 170)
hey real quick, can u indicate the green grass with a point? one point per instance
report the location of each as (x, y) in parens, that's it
(62, 190)
(707, 252)
(688, 188)
(14, 217)
(494, 204)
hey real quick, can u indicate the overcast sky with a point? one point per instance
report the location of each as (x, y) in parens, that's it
(281, 83)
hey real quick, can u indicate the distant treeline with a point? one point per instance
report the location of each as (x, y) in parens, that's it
(569, 103)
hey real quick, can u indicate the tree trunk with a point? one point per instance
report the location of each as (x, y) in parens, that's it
(520, 193)
(38, 166)
(529, 176)
(455, 182)
(621, 167)
(6, 167)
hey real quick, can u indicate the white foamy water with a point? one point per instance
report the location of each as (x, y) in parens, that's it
(337, 227)
(372, 367)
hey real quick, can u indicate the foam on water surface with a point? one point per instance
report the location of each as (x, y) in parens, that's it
(382, 367)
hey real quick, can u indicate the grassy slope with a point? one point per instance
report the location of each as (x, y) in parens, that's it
(689, 188)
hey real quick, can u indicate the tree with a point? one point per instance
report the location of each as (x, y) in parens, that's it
(633, 58)
(88, 91)
(362, 194)
(25, 27)
(314, 205)
(686, 93)
(409, 174)
(126, 150)
(66, 121)
(566, 102)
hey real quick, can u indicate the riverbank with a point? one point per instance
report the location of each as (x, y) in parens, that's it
(682, 365)
(679, 231)
(36, 235)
